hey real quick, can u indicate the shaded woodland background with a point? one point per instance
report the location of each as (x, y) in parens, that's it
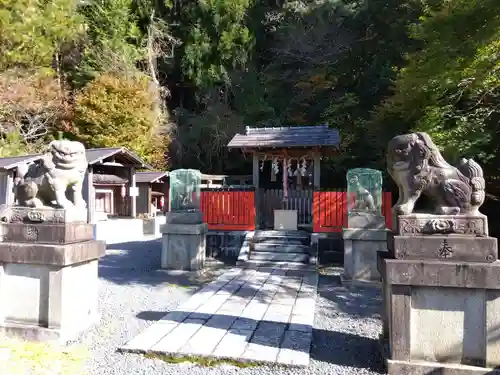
(174, 80)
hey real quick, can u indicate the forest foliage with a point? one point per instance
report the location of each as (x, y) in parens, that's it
(174, 80)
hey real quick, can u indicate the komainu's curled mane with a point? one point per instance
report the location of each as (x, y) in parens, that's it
(56, 180)
(417, 167)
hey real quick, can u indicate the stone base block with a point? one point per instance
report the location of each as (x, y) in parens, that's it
(60, 233)
(360, 254)
(39, 333)
(46, 302)
(183, 246)
(446, 313)
(417, 224)
(365, 220)
(428, 368)
(457, 248)
(27, 215)
(184, 217)
(45, 254)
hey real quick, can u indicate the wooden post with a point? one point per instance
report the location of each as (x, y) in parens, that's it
(166, 194)
(317, 170)
(255, 180)
(89, 195)
(133, 197)
(150, 198)
(9, 188)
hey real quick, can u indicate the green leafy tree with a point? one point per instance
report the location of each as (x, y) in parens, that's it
(13, 144)
(451, 88)
(33, 95)
(114, 41)
(32, 32)
(119, 111)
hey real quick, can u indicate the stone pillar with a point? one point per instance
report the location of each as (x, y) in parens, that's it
(133, 197)
(256, 172)
(9, 188)
(89, 195)
(183, 241)
(46, 257)
(317, 170)
(441, 280)
(364, 237)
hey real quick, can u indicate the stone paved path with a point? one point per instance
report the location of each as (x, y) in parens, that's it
(246, 315)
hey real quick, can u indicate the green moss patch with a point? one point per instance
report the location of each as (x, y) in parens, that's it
(201, 361)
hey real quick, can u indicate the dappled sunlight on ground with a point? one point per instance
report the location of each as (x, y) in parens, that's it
(32, 358)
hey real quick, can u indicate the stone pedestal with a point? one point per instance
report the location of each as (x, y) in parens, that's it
(441, 297)
(365, 235)
(48, 275)
(183, 241)
(365, 220)
(360, 254)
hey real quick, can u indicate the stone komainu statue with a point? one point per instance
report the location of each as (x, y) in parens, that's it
(364, 199)
(417, 166)
(57, 180)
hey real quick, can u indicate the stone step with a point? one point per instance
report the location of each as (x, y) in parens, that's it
(277, 247)
(285, 237)
(283, 241)
(296, 234)
(279, 257)
(251, 263)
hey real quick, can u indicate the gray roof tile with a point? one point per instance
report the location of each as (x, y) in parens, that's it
(295, 136)
(15, 161)
(94, 155)
(142, 177)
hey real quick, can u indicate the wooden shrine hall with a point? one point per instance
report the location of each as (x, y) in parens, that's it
(286, 171)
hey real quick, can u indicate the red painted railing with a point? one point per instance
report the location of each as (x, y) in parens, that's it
(386, 208)
(228, 210)
(330, 211)
(233, 210)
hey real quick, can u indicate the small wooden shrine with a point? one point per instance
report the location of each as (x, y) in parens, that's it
(293, 156)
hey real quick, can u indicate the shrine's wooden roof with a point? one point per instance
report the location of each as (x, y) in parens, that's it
(16, 161)
(98, 155)
(94, 156)
(150, 177)
(108, 179)
(287, 137)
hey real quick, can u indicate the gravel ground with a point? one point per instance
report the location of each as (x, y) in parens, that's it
(134, 293)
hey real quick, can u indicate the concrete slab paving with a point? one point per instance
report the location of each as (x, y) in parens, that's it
(261, 315)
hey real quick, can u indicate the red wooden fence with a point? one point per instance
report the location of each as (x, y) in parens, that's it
(228, 210)
(330, 211)
(386, 208)
(235, 210)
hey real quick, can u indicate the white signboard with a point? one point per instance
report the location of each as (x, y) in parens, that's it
(133, 191)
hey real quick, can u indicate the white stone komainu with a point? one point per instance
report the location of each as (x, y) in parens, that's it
(45, 184)
(48, 257)
(441, 276)
(418, 168)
